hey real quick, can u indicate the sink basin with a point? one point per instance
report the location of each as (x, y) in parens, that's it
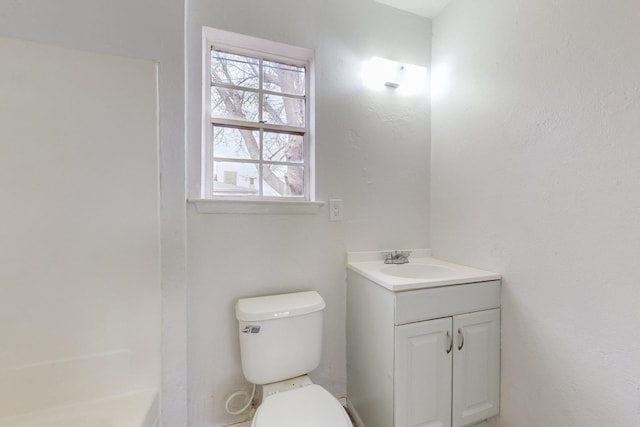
(418, 271)
(422, 271)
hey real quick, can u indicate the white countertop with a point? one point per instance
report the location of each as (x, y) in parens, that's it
(421, 272)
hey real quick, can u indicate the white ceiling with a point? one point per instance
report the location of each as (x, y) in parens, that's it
(426, 8)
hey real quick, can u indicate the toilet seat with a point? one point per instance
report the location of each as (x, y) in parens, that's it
(309, 406)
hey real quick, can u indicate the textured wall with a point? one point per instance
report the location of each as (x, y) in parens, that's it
(535, 174)
(372, 152)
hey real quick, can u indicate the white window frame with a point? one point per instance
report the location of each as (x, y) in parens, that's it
(269, 51)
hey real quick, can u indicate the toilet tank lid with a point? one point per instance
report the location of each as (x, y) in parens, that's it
(278, 306)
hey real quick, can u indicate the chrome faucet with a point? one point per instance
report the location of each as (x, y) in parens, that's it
(396, 257)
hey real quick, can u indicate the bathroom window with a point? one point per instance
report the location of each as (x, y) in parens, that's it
(257, 141)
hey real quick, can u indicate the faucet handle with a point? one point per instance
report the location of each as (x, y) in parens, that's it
(402, 257)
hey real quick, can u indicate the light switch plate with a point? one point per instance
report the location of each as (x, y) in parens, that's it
(335, 210)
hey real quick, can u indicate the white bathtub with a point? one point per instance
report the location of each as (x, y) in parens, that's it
(136, 409)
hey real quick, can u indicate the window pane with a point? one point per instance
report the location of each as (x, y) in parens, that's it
(236, 143)
(281, 180)
(283, 147)
(235, 70)
(234, 104)
(284, 78)
(235, 179)
(283, 110)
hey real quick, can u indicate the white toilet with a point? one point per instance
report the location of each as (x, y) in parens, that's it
(280, 342)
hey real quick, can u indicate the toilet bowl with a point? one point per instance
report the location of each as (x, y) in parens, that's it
(280, 343)
(308, 406)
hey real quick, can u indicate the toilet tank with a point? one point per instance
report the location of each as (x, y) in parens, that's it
(280, 335)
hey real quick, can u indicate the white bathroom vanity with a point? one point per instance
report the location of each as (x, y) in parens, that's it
(423, 342)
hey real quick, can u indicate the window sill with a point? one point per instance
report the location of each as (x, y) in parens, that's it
(256, 207)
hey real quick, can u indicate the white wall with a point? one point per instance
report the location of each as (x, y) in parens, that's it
(535, 174)
(150, 30)
(372, 151)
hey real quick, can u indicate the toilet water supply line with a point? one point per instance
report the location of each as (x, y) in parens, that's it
(245, 407)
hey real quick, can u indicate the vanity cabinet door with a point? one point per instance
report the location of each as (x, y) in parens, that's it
(476, 367)
(422, 383)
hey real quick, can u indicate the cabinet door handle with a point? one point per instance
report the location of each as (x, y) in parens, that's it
(450, 347)
(460, 339)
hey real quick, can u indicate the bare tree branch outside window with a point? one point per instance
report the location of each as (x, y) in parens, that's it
(258, 111)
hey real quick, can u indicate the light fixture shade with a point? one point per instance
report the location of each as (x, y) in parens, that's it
(379, 73)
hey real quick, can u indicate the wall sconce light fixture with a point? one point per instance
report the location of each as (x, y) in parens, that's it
(379, 73)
